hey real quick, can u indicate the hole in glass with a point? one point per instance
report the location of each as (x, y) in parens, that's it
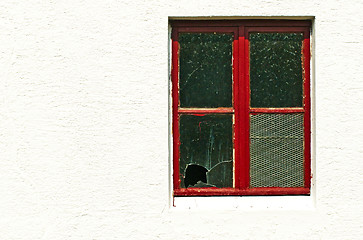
(195, 173)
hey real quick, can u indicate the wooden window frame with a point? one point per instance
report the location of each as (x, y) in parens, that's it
(241, 102)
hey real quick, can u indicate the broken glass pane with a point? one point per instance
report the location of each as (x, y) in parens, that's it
(276, 69)
(205, 63)
(206, 151)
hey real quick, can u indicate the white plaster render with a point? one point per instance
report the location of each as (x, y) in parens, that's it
(84, 123)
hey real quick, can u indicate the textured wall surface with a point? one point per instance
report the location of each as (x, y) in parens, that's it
(84, 123)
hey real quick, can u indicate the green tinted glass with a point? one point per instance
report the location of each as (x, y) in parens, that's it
(276, 69)
(206, 151)
(205, 63)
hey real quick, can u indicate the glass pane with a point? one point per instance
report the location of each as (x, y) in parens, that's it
(277, 150)
(205, 63)
(206, 151)
(276, 69)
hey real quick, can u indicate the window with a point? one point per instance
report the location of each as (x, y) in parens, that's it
(241, 107)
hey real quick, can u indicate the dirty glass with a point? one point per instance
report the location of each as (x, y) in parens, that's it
(205, 62)
(206, 151)
(276, 69)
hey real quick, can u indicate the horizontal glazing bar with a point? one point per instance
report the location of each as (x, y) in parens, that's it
(205, 110)
(277, 110)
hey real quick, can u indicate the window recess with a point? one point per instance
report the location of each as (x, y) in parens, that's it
(241, 107)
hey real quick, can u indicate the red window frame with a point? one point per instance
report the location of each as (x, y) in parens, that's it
(241, 103)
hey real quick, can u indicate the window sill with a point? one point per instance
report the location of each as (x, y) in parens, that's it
(244, 203)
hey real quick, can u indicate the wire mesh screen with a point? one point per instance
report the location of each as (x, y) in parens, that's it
(277, 150)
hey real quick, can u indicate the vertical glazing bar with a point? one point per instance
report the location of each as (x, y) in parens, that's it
(243, 111)
(175, 99)
(307, 119)
(236, 104)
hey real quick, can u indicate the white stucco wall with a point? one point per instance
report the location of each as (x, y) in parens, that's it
(84, 124)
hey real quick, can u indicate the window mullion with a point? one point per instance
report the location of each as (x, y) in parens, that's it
(242, 114)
